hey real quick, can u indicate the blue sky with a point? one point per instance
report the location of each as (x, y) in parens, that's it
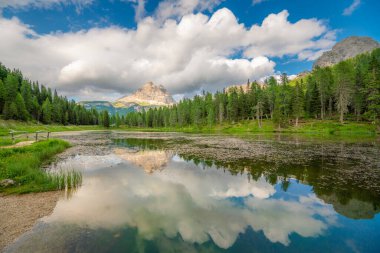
(55, 20)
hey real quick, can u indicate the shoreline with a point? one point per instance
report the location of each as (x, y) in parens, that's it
(19, 213)
(325, 128)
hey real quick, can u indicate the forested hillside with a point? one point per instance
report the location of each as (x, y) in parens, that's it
(347, 90)
(24, 100)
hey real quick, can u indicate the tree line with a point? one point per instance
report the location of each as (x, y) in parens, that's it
(21, 99)
(347, 90)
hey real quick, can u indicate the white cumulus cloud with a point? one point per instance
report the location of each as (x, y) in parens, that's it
(276, 36)
(193, 53)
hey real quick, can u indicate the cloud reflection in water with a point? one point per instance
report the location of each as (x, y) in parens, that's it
(185, 199)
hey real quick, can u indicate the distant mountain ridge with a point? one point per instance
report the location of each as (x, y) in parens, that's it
(105, 106)
(148, 96)
(346, 49)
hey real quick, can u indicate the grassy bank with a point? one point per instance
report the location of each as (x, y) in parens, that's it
(23, 165)
(313, 127)
(8, 141)
(8, 125)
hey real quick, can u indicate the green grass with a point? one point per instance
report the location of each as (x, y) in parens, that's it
(23, 165)
(66, 179)
(9, 141)
(313, 127)
(335, 128)
(8, 125)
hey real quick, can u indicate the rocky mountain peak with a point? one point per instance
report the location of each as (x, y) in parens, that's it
(148, 95)
(148, 85)
(347, 48)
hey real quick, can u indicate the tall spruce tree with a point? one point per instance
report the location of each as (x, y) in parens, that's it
(2, 95)
(298, 102)
(106, 119)
(23, 114)
(372, 87)
(344, 78)
(46, 111)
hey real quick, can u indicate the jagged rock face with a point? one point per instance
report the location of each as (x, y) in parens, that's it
(244, 87)
(347, 48)
(148, 95)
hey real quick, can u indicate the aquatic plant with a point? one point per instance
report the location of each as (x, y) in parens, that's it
(66, 179)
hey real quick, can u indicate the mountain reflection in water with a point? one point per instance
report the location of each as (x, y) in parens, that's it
(154, 200)
(150, 160)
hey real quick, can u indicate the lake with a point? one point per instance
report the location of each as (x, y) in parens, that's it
(192, 193)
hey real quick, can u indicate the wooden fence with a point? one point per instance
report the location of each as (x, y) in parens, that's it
(38, 135)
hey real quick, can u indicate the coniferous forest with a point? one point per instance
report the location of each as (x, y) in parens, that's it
(21, 99)
(348, 90)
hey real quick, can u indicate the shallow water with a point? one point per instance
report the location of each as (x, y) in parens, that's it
(143, 197)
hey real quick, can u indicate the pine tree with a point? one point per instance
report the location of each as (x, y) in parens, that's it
(36, 109)
(46, 111)
(210, 110)
(10, 110)
(312, 98)
(372, 87)
(252, 97)
(66, 118)
(298, 102)
(3, 72)
(106, 119)
(173, 116)
(196, 111)
(344, 79)
(21, 109)
(278, 116)
(11, 87)
(259, 112)
(323, 80)
(271, 94)
(2, 95)
(232, 106)
(26, 93)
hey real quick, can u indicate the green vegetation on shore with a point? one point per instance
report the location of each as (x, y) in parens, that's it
(23, 166)
(8, 141)
(312, 127)
(13, 125)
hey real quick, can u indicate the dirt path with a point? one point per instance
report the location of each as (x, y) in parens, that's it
(18, 213)
(19, 144)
